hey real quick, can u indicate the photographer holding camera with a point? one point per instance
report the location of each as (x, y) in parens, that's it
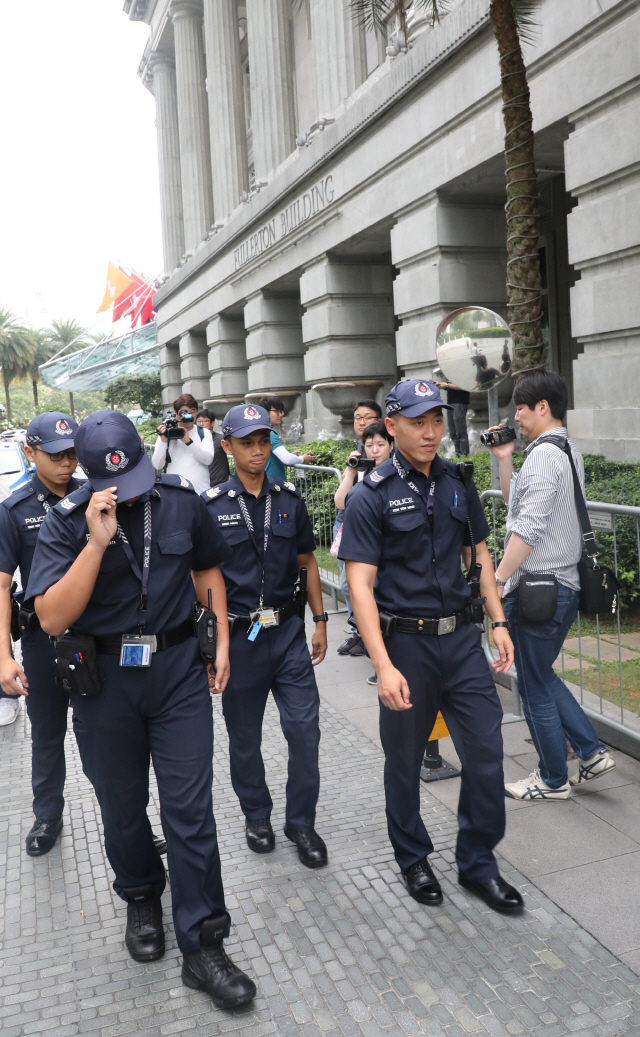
(182, 447)
(538, 576)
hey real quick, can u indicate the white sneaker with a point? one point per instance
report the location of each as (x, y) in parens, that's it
(534, 788)
(9, 709)
(587, 770)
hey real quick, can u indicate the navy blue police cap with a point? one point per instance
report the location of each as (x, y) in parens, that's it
(245, 418)
(52, 432)
(414, 397)
(111, 453)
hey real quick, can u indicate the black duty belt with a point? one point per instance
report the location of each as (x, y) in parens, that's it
(246, 622)
(391, 624)
(113, 645)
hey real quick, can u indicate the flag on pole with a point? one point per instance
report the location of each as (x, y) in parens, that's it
(117, 284)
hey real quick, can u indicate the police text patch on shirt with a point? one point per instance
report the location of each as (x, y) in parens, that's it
(230, 520)
(403, 504)
(34, 522)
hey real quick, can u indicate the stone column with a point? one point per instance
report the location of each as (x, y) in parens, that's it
(270, 69)
(348, 333)
(170, 373)
(194, 365)
(227, 127)
(339, 52)
(164, 89)
(447, 256)
(227, 359)
(274, 343)
(193, 120)
(602, 161)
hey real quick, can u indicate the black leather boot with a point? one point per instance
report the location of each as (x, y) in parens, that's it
(145, 933)
(311, 849)
(497, 893)
(211, 970)
(422, 884)
(42, 836)
(259, 833)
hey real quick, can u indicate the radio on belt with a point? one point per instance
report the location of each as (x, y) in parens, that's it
(205, 628)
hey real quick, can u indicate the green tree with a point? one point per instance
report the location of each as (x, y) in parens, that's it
(513, 22)
(17, 349)
(143, 389)
(44, 350)
(63, 333)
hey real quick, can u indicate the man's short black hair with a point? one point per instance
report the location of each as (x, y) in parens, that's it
(272, 403)
(376, 428)
(371, 404)
(208, 414)
(543, 385)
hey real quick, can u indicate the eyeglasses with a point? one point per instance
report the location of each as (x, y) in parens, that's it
(70, 454)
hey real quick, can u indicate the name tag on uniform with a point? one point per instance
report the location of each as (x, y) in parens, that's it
(137, 649)
(404, 504)
(230, 520)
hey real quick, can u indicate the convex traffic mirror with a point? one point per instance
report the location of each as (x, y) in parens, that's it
(474, 348)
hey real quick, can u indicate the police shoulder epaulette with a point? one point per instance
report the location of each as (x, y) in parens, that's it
(175, 480)
(286, 486)
(216, 491)
(22, 493)
(379, 474)
(70, 503)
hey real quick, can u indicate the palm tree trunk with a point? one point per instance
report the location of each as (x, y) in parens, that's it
(523, 263)
(71, 407)
(34, 383)
(7, 381)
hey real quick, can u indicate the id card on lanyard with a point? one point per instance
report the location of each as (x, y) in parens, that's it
(263, 617)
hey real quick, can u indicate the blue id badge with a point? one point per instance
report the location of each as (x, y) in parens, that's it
(137, 649)
(255, 630)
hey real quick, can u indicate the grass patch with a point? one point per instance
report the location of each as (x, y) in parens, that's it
(629, 624)
(610, 680)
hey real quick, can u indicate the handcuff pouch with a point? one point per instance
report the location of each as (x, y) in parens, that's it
(388, 624)
(77, 665)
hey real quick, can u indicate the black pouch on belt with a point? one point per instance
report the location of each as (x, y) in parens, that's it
(77, 665)
(16, 632)
(537, 598)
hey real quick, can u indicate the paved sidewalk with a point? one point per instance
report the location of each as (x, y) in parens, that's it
(342, 951)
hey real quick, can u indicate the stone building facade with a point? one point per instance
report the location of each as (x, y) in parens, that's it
(328, 195)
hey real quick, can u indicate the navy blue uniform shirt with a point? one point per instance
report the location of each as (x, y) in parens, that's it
(290, 535)
(386, 524)
(21, 516)
(183, 538)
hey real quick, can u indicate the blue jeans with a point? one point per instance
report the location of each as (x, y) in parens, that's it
(344, 587)
(551, 711)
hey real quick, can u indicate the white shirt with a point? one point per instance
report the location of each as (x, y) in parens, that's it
(191, 460)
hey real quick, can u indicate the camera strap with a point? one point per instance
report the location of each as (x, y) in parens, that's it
(267, 526)
(146, 561)
(432, 486)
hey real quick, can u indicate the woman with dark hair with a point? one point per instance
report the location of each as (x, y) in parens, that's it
(280, 456)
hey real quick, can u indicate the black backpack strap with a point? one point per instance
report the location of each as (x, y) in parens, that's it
(588, 538)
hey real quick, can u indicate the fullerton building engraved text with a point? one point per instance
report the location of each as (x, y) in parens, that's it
(302, 209)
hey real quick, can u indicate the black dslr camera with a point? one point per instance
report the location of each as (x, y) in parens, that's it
(498, 436)
(172, 430)
(363, 464)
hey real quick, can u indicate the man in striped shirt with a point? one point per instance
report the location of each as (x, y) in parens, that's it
(544, 536)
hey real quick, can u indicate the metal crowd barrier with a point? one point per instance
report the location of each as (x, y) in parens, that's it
(317, 485)
(590, 649)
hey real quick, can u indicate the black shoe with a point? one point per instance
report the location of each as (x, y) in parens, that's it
(42, 836)
(259, 833)
(351, 642)
(160, 844)
(311, 849)
(358, 648)
(497, 893)
(145, 933)
(210, 969)
(422, 884)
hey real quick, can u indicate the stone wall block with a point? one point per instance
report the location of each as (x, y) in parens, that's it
(605, 223)
(164, 88)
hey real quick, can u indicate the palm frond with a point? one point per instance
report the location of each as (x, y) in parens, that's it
(526, 19)
(373, 14)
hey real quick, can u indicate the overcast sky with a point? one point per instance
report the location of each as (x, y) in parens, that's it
(78, 176)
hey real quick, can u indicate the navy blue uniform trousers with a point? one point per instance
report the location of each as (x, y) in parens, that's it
(162, 713)
(47, 708)
(448, 673)
(278, 660)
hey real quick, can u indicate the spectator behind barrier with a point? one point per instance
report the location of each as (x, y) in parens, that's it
(280, 456)
(219, 467)
(190, 456)
(377, 445)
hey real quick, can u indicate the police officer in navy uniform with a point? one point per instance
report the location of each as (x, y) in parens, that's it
(114, 561)
(50, 446)
(265, 523)
(406, 527)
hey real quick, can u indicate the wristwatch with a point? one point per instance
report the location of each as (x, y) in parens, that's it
(500, 623)
(323, 618)
(499, 582)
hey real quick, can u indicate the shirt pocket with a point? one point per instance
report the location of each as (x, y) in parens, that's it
(234, 534)
(461, 512)
(286, 528)
(175, 544)
(405, 522)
